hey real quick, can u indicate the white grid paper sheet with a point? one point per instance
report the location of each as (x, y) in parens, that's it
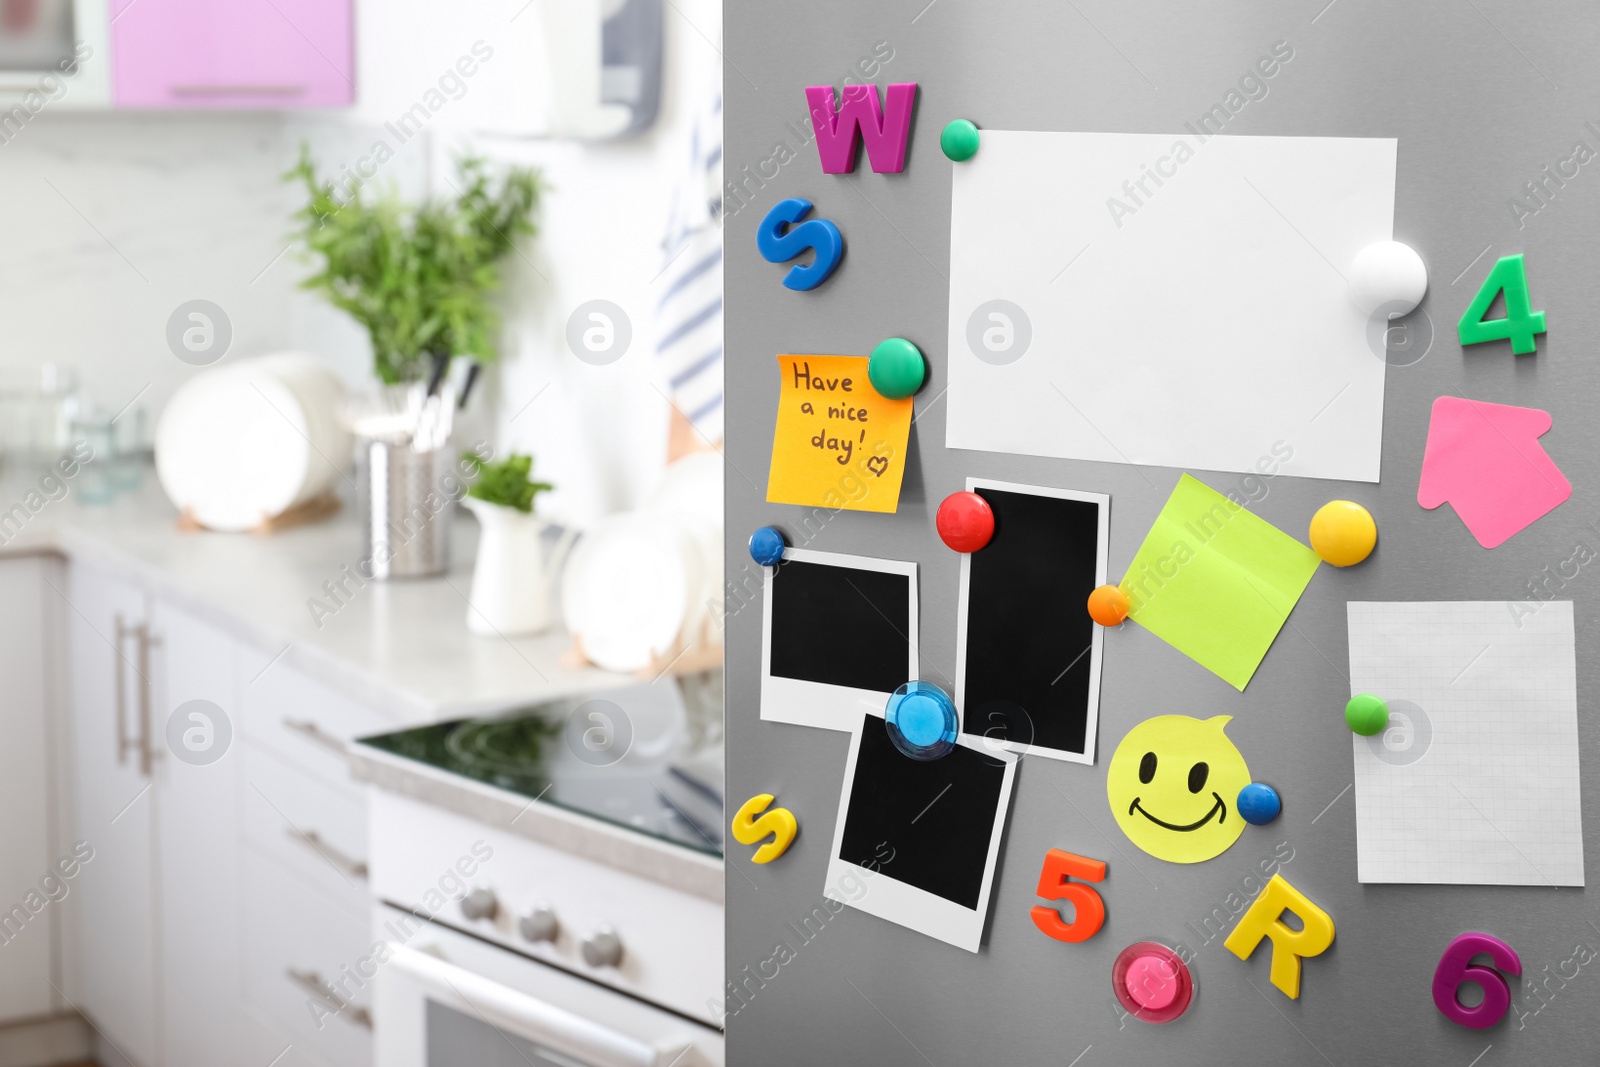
(1492, 799)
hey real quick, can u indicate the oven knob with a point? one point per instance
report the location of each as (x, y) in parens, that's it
(603, 948)
(480, 904)
(540, 924)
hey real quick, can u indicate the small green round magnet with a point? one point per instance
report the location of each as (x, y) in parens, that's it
(1366, 714)
(896, 368)
(959, 140)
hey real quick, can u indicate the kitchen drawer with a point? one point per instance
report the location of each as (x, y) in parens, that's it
(304, 720)
(315, 831)
(293, 937)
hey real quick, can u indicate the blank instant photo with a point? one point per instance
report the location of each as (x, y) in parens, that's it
(839, 636)
(927, 832)
(1027, 653)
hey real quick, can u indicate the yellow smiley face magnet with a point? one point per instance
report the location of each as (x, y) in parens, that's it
(1172, 786)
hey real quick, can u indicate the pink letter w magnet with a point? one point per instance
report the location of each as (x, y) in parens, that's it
(840, 129)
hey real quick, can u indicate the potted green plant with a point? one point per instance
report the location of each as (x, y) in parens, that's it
(511, 580)
(420, 277)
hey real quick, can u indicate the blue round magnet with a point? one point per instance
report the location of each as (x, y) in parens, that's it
(1258, 804)
(766, 546)
(922, 721)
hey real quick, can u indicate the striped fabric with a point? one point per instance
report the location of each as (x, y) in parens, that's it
(689, 289)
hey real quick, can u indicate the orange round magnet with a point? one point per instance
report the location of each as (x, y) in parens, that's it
(1108, 605)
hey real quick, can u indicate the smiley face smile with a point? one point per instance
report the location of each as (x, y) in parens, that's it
(1219, 808)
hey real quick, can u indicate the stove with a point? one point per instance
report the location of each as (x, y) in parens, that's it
(567, 755)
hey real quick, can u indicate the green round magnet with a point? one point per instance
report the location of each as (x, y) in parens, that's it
(1366, 714)
(959, 140)
(895, 368)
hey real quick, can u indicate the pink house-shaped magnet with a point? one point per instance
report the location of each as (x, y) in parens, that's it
(1486, 461)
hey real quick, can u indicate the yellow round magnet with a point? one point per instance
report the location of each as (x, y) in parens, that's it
(1343, 533)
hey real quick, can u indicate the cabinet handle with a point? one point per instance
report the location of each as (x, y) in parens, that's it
(141, 744)
(317, 986)
(351, 866)
(146, 750)
(316, 733)
(214, 90)
(124, 743)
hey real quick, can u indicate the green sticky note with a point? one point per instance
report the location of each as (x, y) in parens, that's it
(1216, 582)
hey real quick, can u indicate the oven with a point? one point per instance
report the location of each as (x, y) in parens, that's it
(448, 999)
(534, 907)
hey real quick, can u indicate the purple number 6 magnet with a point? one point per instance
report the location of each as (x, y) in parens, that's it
(1454, 971)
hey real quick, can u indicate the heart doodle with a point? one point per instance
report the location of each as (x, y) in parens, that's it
(878, 464)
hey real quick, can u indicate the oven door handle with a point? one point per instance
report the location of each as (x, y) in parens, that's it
(522, 1014)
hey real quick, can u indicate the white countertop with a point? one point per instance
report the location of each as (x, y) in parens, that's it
(400, 646)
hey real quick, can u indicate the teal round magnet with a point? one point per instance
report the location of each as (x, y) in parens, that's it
(766, 546)
(959, 140)
(1258, 804)
(896, 368)
(1366, 714)
(921, 719)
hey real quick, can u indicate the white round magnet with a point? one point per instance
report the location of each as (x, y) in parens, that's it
(1390, 276)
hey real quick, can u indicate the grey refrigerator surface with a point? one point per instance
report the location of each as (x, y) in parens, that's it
(1481, 95)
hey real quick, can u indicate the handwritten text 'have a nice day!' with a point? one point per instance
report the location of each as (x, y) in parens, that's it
(845, 411)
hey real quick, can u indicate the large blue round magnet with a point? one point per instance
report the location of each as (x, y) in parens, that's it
(766, 546)
(922, 721)
(1258, 804)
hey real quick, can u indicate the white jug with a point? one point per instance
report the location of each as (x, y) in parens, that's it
(511, 581)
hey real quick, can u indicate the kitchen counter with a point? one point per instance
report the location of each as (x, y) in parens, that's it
(401, 646)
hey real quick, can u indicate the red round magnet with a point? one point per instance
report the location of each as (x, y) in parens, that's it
(965, 521)
(1152, 982)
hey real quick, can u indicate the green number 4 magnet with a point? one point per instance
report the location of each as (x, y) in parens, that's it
(1520, 324)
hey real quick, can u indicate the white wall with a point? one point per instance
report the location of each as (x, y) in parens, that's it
(118, 218)
(113, 222)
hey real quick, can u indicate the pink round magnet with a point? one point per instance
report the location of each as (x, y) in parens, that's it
(1152, 982)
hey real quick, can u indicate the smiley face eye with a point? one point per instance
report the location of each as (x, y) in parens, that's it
(1147, 767)
(1197, 777)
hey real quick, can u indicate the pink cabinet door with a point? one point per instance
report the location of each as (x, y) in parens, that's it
(232, 53)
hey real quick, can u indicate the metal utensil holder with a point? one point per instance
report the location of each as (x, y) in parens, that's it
(399, 489)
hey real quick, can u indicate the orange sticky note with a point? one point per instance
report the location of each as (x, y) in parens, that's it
(838, 443)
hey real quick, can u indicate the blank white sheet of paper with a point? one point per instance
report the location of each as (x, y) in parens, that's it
(1475, 781)
(1116, 298)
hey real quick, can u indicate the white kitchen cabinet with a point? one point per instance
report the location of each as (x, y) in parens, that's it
(29, 880)
(305, 832)
(154, 943)
(111, 951)
(296, 717)
(304, 953)
(198, 874)
(314, 831)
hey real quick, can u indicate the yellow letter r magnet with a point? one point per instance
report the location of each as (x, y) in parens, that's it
(1264, 919)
